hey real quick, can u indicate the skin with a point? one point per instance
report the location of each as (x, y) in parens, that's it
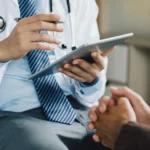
(109, 124)
(83, 71)
(141, 109)
(25, 37)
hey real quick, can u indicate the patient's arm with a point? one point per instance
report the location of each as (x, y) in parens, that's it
(133, 137)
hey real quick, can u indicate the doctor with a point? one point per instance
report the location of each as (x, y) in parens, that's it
(48, 113)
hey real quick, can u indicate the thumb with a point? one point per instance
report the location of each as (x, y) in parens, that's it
(124, 104)
(124, 92)
(108, 51)
(133, 97)
(117, 92)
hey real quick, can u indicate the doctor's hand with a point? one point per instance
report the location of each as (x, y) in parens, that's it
(25, 36)
(84, 71)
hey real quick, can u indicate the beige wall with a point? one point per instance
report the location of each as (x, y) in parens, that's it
(119, 16)
(122, 16)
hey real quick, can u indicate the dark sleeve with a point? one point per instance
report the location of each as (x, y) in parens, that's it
(133, 137)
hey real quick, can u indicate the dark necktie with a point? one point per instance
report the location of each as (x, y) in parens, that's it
(53, 100)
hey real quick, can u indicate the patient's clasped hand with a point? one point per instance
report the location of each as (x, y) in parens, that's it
(114, 112)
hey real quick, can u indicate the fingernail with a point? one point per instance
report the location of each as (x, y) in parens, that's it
(61, 28)
(114, 88)
(94, 54)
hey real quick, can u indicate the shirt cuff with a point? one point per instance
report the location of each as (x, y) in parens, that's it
(90, 88)
(90, 84)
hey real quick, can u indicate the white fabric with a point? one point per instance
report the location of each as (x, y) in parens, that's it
(85, 29)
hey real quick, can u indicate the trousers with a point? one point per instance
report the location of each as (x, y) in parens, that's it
(31, 131)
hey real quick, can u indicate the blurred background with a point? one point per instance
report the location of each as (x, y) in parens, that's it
(129, 64)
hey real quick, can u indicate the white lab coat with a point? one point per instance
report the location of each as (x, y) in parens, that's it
(84, 26)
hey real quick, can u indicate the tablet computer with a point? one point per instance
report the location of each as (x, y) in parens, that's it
(83, 52)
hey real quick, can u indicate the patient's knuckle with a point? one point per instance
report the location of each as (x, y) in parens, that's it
(122, 99)
(139, 97)
(104, 99)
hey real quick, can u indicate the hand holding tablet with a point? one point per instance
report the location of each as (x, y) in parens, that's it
(84, 52)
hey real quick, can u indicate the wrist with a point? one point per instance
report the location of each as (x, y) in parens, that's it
(92, 83)
(3, 56)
